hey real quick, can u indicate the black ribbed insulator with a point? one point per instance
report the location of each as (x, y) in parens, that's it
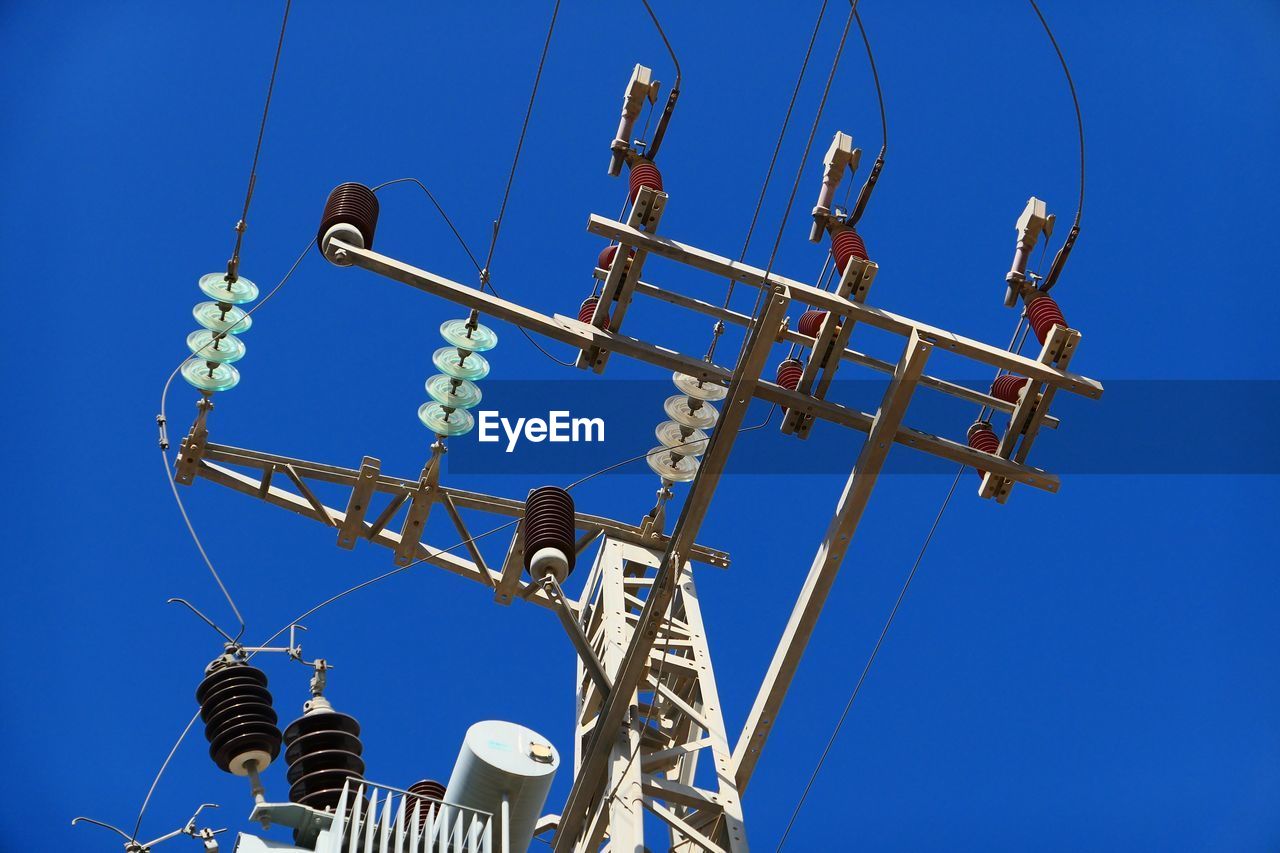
(845, 244)
(353, 204)
(324, 751)
(549, 523)
(431, 790)
(644, 174)
(1044, 314)
(239, 722)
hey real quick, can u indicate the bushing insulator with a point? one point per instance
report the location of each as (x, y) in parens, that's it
(845, 244)
(351, 215)
(605, 260)
(1043, 313)
(644, 174)
(429, 788)
(789, 373)
(810, 322)
(549, 532)
(587, 310)
(1008, 387)
(982, 437)
(323, 749)
(239, 722)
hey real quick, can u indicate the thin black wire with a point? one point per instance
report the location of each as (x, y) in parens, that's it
(662, 33)
(875, 76)
(773, 160)
(233, 265)
(439, 208)
(871, 659)
(1075, 101)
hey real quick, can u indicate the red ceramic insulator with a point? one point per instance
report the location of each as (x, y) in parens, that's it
(789, 373)
(588, 309)
(431, 790)
(983, 437)
(846, 244)
(1044, 314)
(1008, 387)
(549, 523)
(810, 322)
(644, 174)
(608, 254)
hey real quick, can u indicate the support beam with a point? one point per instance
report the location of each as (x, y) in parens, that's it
(826, 564)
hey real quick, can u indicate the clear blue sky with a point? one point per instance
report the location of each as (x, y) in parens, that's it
(1089, 670)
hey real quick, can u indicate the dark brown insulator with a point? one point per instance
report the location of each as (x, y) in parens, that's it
(789, 373)
(549, 523)
(1044, 314)
(846, 244)
(429, 789)
(644, 174)
(1008, 387)
(239, 721)
(323, 750)
(810, 322)
(353, 204)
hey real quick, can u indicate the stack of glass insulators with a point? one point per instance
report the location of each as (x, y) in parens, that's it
(453, 390)
(216, 346)
(684, 437)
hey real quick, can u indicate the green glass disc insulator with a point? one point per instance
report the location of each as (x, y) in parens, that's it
(672, 466)
(211, 346)
(454, 393)
(708, 391)
(479, 339)
(212, 317)
(684, 440)
(220, 377)
(216, 286)
(681, 410)
(450, 362)
(435, 418)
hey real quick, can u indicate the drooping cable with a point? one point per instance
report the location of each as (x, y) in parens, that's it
(1060, 258)
(865, 194)
(439, 208)
(897, 604)
(233, 265)
(651, 150)
(718, 329)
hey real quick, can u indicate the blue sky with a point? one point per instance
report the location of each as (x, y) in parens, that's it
(1089, 670)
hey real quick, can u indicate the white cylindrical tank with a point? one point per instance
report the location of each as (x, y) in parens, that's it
(500, 759)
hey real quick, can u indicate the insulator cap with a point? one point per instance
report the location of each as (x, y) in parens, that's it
(351, 214)
(982, 437)
(810, 322)
(846, 244)
(644, 174)
(323, 751)
(548, 525)
(239, 722)
(789, 373)
(1008, 387)
(1044, 314)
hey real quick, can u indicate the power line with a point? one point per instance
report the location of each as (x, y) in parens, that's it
(871, 659)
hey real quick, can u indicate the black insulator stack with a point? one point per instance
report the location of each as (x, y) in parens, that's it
(549, 522)
(350, 204)
(644, 174)
(982, 437)
(846, 244)
(810, 322)
(323, 750)
(1008, 387)
(239, 721)
(1044, 314)
(431, 790)
(789, 373)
